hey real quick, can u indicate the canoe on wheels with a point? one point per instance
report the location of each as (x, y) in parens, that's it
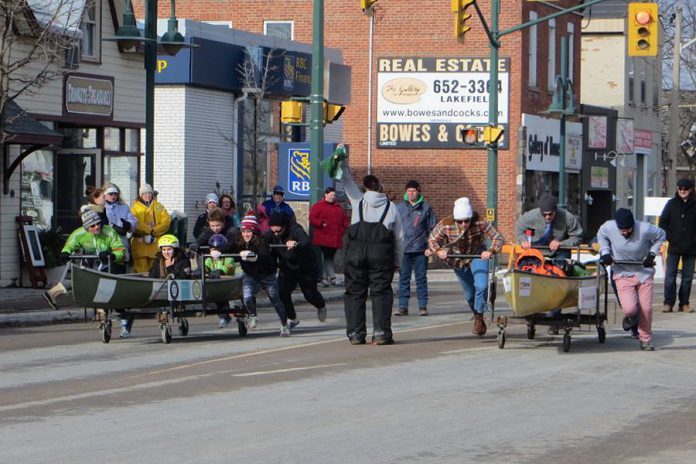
(94, 289)
(132, 293)
(561, 294)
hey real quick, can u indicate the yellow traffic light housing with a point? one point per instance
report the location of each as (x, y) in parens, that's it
(492, 135)
(642, 28)
(461, 16)
(367, 4)
(291, 112)
(332, 112)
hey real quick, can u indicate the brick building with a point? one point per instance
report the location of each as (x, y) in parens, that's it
(424, 30)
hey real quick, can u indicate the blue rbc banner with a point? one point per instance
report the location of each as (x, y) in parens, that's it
(294, 169)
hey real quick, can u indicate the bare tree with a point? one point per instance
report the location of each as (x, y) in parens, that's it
(35, 38)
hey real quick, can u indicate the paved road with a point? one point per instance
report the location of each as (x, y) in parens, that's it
(440, 395)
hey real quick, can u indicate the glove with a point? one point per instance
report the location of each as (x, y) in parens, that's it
(125, 225)
(606, 260)
(119, 229)
(215, 274)
(649, 260)
(63, 258)
(215, 254)
(193, 246)
(149, 239)
(105, 255)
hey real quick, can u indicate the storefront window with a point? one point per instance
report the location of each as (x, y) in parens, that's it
(112, 139)
(78, 137)
(37, 188)
(132, 140)
(123, 171)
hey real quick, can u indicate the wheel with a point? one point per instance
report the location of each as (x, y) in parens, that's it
(501, 339)
(105, 332)
(166, 333)
(566, 342)
(601, 334)
(531, 332)
(241, 326)
(183, 327)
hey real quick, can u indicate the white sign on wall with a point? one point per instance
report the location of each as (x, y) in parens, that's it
(542, 147)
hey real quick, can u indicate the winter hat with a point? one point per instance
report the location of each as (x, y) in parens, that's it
(146, 188)
(462, 209)
(89, 218)
(249, 222)
(279, 219)
(547, 203)
(212, 198)
(279, 189)
(413, 184)
(624, 218)
(111, 189)
(685, 183)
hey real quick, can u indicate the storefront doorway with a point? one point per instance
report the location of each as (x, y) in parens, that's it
(76, 174)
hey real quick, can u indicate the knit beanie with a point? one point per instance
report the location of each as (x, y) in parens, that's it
(547, 203)
(413, 184)
(212, 198)
(279, 219)
(146, 188)
(624, 218)
(89, 218)
(249, 222)
(462, 209)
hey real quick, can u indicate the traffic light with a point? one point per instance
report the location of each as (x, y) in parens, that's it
(642, 29)
(291, 112)
(461, 16)
(473, 137)
(332, 112)
(492, 135)
(367, 4)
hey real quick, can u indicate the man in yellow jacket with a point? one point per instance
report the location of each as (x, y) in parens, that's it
(153, 222)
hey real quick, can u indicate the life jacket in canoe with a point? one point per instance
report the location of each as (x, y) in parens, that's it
(533, 261)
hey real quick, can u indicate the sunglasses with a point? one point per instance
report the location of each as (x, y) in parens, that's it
(462, 221)
(94, 226)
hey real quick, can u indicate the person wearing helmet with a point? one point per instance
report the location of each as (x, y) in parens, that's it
(216, 266)
(170, 260)
(93, 238)
(275, 204)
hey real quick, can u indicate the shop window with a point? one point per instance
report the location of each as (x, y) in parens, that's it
(123, 171)
(132, 140)
(112, 139)
(91, 31)
(571, 51)
(79, 137)
(551, 62)
(533, 55)
(282, 29)
(37, 187)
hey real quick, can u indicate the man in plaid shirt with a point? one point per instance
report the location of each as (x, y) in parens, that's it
(464, 233)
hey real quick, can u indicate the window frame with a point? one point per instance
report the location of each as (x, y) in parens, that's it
(551, 59)
(96, 33)
(532, 53)
(267, 23)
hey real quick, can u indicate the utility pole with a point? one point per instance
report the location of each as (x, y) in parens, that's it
(316, 101)
(674, 123)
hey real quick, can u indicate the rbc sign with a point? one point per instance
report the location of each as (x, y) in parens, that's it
(294, 169)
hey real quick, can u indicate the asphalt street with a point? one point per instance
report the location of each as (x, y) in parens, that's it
(439, 395)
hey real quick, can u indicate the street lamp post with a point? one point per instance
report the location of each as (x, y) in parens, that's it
(316, 101)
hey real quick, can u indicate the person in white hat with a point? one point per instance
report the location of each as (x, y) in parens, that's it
(465, 233)
(153, 222)
(120, 219)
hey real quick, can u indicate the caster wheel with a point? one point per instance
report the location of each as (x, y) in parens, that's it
(241, 326)
(105, 332)
(566, 342)
(601, 334)
(501, 339)
(166, 333)
(183, 327)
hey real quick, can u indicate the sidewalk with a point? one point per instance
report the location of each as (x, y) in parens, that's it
(26, 306)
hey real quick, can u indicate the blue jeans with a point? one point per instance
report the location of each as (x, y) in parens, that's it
(250, 287)
(687, 276)
(474, 282)
(418, 264)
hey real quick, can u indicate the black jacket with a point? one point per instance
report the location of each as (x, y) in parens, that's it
(202, 223)
(301, 258)
(678, 219)
(232, 235)
(181, 269)
(265, 264)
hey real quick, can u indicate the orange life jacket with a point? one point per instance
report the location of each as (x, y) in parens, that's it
(533, 261)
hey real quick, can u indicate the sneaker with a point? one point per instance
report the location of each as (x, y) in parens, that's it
(380, 338)
(401, 312)
(125, 331)
(51, 302)
(628, 322)
(285, 331)
(423, 312)
(634, 333)
(647, 346)
(251, 322)
(667, 308)
(325, 283)
(356, 338)
(293, 323)
(479, 325)
(321, 314)
(224, 322)
(685, 309)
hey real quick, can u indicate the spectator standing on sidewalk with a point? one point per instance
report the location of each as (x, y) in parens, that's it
(153, 223)
(275, 204)
(330, 222)
(418, 220)
(625, 239)
(678, 220)
(121, 219)
(464, 233)
(373, 250)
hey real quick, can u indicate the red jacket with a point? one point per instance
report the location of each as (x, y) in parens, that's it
(330, 221)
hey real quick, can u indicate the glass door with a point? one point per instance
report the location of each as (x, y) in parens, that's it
(77, 173)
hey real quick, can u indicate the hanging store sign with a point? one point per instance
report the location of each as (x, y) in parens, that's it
(89, 95)
(425, 102)
(542, 149)
(643, 141)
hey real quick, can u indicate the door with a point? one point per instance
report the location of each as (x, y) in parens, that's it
(77, 172)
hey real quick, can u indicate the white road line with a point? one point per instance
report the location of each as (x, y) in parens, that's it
(292, 369)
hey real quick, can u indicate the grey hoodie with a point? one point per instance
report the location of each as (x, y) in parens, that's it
(373, 207)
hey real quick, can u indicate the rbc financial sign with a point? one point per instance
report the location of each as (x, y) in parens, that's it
(294, 169)
(298, 171)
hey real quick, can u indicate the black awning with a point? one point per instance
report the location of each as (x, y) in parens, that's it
(23, 129)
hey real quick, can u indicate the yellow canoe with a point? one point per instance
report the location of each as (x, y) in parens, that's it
(529, 293)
